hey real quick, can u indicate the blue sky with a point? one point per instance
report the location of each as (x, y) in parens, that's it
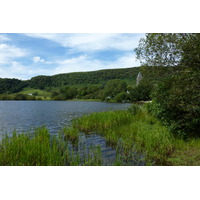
(26, 55)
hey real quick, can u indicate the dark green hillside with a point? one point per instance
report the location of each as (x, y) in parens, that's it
(82, 78)
(76, 78)
(8, 85)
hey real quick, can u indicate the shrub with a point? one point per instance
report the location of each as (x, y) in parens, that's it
(123, 96)
(141, 92)
(134, 109)
(176, 101)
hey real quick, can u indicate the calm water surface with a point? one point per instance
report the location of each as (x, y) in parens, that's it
(27, 115)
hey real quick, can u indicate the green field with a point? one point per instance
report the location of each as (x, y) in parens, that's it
(39, 94)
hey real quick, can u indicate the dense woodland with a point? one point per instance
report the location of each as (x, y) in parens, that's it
(70, 79)
(116, 85)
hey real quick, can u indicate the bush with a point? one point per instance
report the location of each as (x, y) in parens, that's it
(141, 92)
(176, 101)
(134, 109)
(123, 96)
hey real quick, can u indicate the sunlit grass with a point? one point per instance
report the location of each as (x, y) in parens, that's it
(40, 94)
(36, 149)
(141, 133)
(70, 133)
(42, 149)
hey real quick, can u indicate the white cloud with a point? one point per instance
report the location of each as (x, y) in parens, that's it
(14, 70)
(4, 38)
(37, 59)
(93, 42)
(85, 63)
(77, 64)
(17, 70)
(8, 52)
(11, 66)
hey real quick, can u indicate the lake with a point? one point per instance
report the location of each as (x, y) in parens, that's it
(27, 115)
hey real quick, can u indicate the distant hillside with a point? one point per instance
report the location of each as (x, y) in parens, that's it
(77, 78)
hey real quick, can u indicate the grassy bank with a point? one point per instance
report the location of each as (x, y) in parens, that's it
(138, 131)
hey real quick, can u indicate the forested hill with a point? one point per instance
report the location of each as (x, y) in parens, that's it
(76, 78)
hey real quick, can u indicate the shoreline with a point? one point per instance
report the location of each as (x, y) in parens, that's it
(132, 130)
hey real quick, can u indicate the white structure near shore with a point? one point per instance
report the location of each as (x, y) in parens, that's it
(139, 78)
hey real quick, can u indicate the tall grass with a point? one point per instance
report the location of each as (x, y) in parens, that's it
(36, 149)
(70, 133)
(140, 132)
(102, 121)
(42, 149)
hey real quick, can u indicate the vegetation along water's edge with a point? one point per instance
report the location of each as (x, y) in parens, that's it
(134, 130)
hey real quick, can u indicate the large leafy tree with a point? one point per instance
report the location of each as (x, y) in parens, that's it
(159, 49)
(169, 49)
(176, 98)
(114, 87)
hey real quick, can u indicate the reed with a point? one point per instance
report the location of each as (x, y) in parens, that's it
(70, 133)
(102, 121)
(41, 149)
(32, 149)
(140, 133)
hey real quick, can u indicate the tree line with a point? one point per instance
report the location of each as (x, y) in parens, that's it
(60, 80)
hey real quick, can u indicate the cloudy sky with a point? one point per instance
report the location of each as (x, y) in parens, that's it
(26, 55)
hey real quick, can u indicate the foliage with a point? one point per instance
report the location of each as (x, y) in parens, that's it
(113, 88)
(122, 97)
(176, 97)
(141, 92)
(40, 82)
(16, 97)
(169, 49)
(96, 77)
(191, 51)
(11, 85)
(134, 109)
(70, 79)
(178, 106)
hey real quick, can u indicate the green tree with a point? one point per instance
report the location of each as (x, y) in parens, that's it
(113, 87)
(120, 97)
(159, 49)
(142, 92)
(169, 49)
(176, 99)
